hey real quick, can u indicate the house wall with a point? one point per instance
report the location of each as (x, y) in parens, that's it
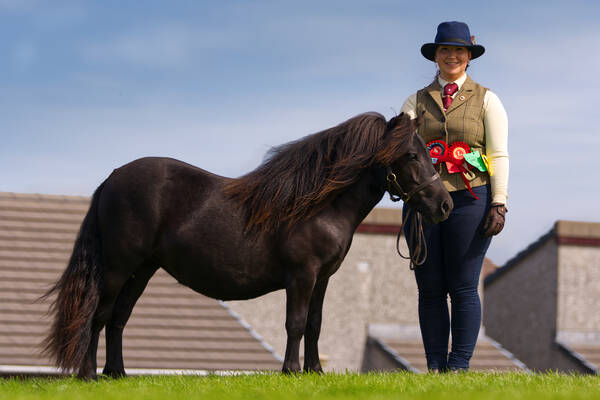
(578, 293)
(521, 310)
(392, 290)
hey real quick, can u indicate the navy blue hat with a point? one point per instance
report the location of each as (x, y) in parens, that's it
(452, 33)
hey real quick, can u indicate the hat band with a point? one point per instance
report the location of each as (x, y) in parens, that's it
(459, 41)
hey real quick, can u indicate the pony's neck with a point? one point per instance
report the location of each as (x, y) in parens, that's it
(357, 201)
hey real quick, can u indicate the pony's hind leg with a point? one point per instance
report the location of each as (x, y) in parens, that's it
(312, 363)
(87, 370)
(113, 280)
(129, 295)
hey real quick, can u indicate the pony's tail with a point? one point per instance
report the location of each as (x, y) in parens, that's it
(78, 294)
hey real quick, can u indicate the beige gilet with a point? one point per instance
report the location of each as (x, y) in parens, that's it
(463, 121)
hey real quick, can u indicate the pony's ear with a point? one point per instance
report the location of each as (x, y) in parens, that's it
(392, 122)
(397, 138)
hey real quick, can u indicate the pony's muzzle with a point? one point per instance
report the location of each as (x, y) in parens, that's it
(445, 208)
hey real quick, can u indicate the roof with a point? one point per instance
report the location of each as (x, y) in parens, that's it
(406, 348)
(584, 230)
(384, 216)
(488, 267)
(382, 220)
(578, 233)
(520, 256)
(564, 232)
(171, 327)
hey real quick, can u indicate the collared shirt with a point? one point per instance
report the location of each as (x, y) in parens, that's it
(495, 122)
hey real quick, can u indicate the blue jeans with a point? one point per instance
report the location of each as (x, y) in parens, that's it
(456, 249)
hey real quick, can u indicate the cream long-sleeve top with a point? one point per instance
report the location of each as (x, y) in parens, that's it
(495, 122)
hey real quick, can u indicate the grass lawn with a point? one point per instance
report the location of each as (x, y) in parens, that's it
(327, 386)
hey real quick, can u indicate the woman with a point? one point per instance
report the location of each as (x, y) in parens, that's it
(459, 117)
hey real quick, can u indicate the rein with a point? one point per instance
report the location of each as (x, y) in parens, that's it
(415, 238)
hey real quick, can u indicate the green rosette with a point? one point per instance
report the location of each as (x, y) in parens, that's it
(474, 158)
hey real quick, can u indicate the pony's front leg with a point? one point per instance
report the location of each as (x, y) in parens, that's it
(298, 295)
(312, 363)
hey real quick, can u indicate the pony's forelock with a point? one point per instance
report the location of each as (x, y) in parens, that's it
(401, 130)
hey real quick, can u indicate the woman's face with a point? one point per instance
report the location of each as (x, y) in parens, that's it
(452, 61)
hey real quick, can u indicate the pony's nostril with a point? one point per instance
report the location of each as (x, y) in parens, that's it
(445, 206)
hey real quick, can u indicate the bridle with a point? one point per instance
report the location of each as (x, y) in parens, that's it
(415, 236)
(393, 184)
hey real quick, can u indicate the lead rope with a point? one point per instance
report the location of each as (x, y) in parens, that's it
(415, 239)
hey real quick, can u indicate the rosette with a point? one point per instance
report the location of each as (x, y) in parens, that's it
(437, 151)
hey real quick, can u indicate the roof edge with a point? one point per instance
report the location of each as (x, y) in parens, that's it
(507, 354)
(40, 196)
(520, 255)
(252, 332)
(32, 370)
(568, 350)
(386, 229)
(578, 229)
(401, 362)
(565, 232)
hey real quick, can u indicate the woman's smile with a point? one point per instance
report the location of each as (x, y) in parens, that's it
(452, 61)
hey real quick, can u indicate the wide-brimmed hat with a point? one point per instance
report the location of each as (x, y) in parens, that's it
(452, 33)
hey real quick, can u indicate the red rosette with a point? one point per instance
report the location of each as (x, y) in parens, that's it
(456, 157)
(457, 152)
(457, 163)
(438, 151)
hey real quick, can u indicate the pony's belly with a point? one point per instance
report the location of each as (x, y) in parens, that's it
(226, 285)
(241, 294)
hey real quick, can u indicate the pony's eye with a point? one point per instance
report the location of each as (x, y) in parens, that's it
(412, 157)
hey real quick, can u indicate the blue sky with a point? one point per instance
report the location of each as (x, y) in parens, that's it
(90, 85)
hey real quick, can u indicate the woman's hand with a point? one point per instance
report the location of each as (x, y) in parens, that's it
(494, 221)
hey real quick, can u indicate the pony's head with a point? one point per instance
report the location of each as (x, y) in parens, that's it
(410, 173)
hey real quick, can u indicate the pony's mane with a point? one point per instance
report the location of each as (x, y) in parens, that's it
(298, 179)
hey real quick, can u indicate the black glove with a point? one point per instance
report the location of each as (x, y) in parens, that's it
(494, 221)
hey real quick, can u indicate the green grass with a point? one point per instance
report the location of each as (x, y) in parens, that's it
(327, 386)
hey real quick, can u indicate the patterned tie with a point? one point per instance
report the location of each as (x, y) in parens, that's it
(449, 90)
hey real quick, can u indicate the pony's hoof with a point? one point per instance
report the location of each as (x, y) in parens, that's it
(114, 374)
(87, 377)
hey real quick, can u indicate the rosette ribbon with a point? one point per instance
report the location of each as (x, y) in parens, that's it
(458, 158)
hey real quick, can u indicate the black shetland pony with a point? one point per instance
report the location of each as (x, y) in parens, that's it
(286, 225)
